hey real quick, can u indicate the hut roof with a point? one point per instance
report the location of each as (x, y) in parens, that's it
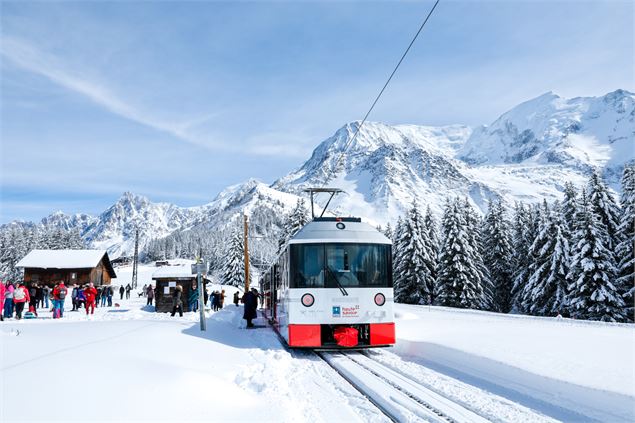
(67, 259)
(179, 271)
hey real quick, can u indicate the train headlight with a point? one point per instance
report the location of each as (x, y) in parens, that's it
(380, 299)
(307, 300)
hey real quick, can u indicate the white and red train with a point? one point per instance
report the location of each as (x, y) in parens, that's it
(332, 287)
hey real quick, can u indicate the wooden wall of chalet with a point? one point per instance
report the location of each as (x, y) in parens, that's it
(163, 302)
(98, 275)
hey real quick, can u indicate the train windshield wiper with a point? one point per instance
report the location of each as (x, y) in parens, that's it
(337, 281)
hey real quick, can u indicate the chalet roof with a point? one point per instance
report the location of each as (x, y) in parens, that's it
(178, 271)
(66, 259)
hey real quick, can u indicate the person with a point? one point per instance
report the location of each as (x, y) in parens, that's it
(221, 298)
(205, 295)
(236, 298)
(111, 292)
(98, 296)
(177, 303)
(90, 293)
(59, 296)
(250, 299)
(150, 294)
(74, 294)
(128, 289)
(104, 295)
(33, 298)
(20, 297)
(46, 291)
(8, 300)
(39, 296)
(81, 298)
(145, 290)
(2, 289)
(214, 301)
(192, 300)
(121, 291)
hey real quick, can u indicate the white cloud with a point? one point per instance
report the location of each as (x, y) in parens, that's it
(30, 58)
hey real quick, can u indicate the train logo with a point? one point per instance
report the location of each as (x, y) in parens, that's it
(337, 311)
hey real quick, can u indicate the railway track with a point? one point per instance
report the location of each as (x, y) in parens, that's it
(400, 397)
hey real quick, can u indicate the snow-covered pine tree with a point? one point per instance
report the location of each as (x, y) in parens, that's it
(625, 251)
(592, 294)
(396, 249)
(569, 205)
(605, 208)
(388, 231)
(524, 232)
(293, 222)
(416, 266)
(546, 292)
(475, 235)
(497, 255)
(459, 278)
(430, 225)
(233, 269)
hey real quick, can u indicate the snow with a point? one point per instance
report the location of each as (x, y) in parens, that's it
(176, 271)
(566, 368)
(150, 366)
(62, 259)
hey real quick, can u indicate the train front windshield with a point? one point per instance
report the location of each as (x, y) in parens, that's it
(335, 265)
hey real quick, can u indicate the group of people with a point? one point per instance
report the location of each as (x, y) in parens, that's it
(90, 297)
(16, 296)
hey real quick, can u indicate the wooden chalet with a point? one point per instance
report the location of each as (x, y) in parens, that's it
(166, 278)
(48, 267)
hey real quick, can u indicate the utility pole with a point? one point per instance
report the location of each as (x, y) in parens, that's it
(201, 267)
(246, 249)
(135, 259)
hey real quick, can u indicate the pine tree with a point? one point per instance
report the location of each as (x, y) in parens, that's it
(233, 269)
(294, 221)
(523, 235)
(415, 262)
(569, 205)
(474, 227)
(396, 250)
(605, 208)
(625, 251)
(592, 295)
(459, 278)
(498, 255)
(388, 231)
(546, 291)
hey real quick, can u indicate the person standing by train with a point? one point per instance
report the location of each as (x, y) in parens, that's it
(250, 300)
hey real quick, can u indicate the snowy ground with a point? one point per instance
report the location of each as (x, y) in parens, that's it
(129, 363)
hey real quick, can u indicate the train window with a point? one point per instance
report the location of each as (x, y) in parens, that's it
(307, 266)
(358, 265)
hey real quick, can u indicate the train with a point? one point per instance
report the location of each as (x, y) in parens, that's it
(331, 287)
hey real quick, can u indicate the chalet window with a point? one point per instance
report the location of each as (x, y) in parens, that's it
(73, 275)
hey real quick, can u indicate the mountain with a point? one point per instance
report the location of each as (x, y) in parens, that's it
(526, 154)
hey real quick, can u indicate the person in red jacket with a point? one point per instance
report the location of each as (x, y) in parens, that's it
(59, 296)
(20, 297)
(91, 294)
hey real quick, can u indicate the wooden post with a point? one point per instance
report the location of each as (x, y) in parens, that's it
(246, 249)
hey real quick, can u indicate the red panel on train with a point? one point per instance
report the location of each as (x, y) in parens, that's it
(382, 333)
(304, 336)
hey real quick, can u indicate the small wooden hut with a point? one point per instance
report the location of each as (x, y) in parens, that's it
(48, 267)
(166, 278)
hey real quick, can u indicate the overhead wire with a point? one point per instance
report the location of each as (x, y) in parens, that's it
(403, 56)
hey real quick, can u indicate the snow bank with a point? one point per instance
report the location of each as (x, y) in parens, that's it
(566, 368)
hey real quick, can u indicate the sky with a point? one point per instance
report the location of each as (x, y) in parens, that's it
(178, 100)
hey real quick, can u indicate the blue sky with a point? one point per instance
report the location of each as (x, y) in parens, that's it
(178, 100)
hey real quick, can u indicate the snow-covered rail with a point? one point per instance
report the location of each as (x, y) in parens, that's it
(397, 395)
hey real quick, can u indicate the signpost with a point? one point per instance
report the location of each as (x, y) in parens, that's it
(199, 269)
